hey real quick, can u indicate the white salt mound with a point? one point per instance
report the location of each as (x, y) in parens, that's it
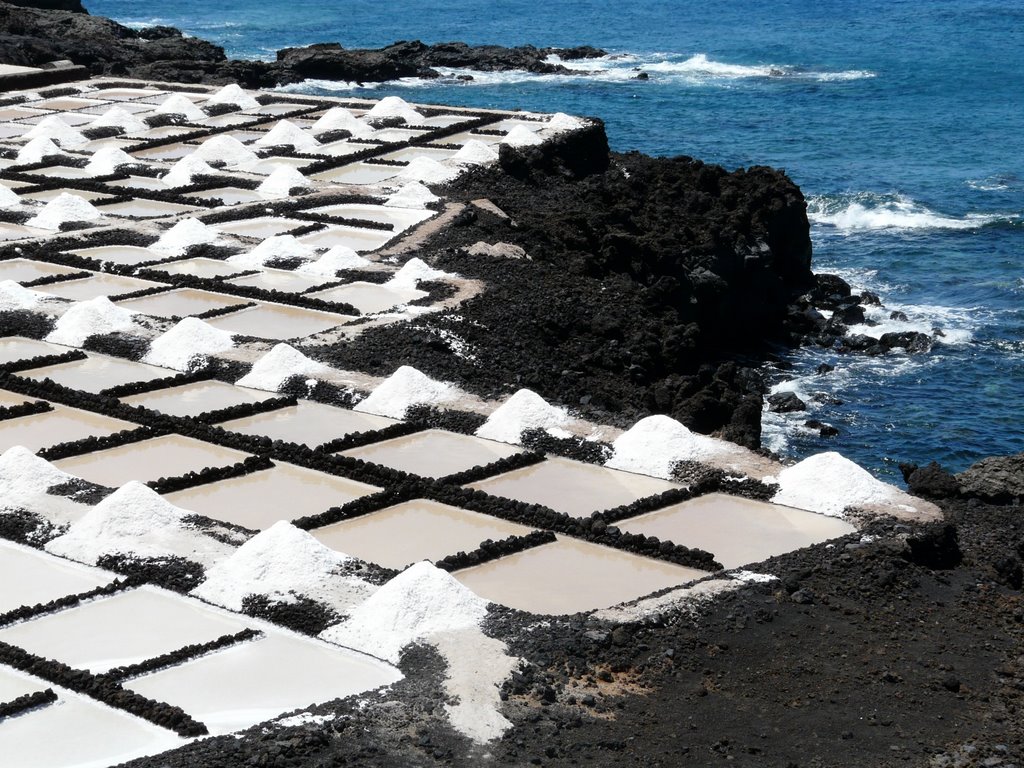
(393, 106)
(403, 389)
(419, 602)
(274, 247)
(183, 235)
(428, 170)
(340, 119)
(136, 520)
(654, 444)
(52, 127)
(233, 94)
(36, 150)
(412, 195)
(415, 270)
(188, 345)
(475, 152)
(337, 258)
(89, 318)
(226, 148)
(280, 363)
(180, 105)
(187, 168)
(14, 296)
(524, 410)
(290, 134)
(521, 136)
(283, 562)
(828, 482)
(107, 160)
(8, 198)
(561, 122)
(64, 208)
(117, 117)
(282, 181)
(24, 480)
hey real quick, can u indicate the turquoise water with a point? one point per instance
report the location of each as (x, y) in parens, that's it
(903, 122)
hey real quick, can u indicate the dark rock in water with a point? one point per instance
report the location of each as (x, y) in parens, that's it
(826, 399)
(850, 315)
(870, 299)
(832, 286)
(641, 76)
(997, 479)
(858, 342)
(931, 481)
(74, 6)
(785, 402)
(824, 368)
(823, 429)
(912, 341)
(897, 315)
(329, 61)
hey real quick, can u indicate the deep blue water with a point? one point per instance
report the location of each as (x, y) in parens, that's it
(902, 121)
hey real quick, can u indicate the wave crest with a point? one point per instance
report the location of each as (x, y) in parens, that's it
(868, 211)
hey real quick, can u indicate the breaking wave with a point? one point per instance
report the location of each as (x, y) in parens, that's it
(869, 211)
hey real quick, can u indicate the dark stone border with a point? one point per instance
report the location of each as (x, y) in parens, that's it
(26, 612)
(26, 703)
(180, 656)
(209, 475)
(493, 550)
(30, 408)
(93, 443)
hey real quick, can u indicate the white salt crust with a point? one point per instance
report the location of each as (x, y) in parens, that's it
(403, 389)
(275, 247)
(89, 318)
(290, 134)
(62, 209)
(107, 160)
(14, 296)
(828, 482)
(521, 136)
(393, 106)
(52, 127)
(117, 117)
(180, 105)
(412, 195)
(475, 152)
(183, 235)
(186, 169)
(36, 150)
(340, 119)
(337, 258)
(188, 345)
(524, 410)
(282, 181)
(233, 94)
(654, 444)
(278, 365)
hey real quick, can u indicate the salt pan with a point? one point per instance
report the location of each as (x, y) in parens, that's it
(36, 150)
(226, 148)
(62, 209)
(233, 94)
(284, 562)
(282, 181)
(275, 247)
(828, 482)
(90, 318)
(337, 258)
(653, 445)
(278, 365)
(186, 169)
(521, 136)
(187, 346)
(288, 133)
(117, 117)
(403, 389)
(412, 195)
(524, 410)
(52, 127)
(183, 235)
(180, 105)
(135, 520)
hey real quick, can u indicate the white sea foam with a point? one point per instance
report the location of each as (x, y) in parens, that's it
(861, 212)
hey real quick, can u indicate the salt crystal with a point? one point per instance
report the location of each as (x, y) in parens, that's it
(290, 134)
(393, 106)
(117, 117)
(278, 365)
(52, 127)
(225, 148)
(414, 271)
(98, 315)
(282, 181)
(521, 136)
(340, 119)
(8, 198)
(475, 152)
(275, 247)
(188, 345)
(62, 209)
(828, 482)
(107, 160)
(524, 410)
(233, 94)
(186, 169)
(14, 296)
(36, 150)
(181, 105)
(183, 235)
(561, 122)
(337, 258)
(653, 445)
(412, 195)
(403, 389)
(428, 170)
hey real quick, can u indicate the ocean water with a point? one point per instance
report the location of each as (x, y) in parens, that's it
(903, 122)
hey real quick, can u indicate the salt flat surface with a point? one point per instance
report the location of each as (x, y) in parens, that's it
(23, 270)
(60, 425)
(126, 628)
(307, 423)
(16, 348)
(14, 684)
(28, 577)
(180, 302)
(569, 576)
(194, 399)
(256, 681)
(573, 487)
(277, 321)
(97, 372)
(433, 453)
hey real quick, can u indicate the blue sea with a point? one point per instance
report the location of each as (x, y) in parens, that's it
(903, 123)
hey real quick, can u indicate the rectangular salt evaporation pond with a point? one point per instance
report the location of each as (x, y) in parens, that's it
(253, 682)
(572, 487)
(122, 629)
(279, 280)
(30, 577)
(200, 267)
(370, 297)
(415, 530)
(166, 152)
(408, 154)
(278, 322)
(18, 232)
(97, 372)
(180, 302)
(166, 456)
(358, 173)
(49, 194)
(7, 399)
(197, 398)
(260, 499)
(307, 423)
(14, 684)
(399, 218)
(737, 531)
(147, 209)
(97, 285)
(14, 348)
(229, 195)
(79, 732)
(61, 172)
(262, 227)
(139, 182)
(355, 238)
(569, 576)
(61, 425)
(433, 453)
(23, 270)
(120, 254)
